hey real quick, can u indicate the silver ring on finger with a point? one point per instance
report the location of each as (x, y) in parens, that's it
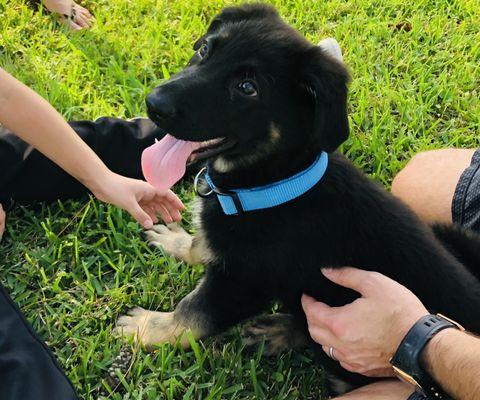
(330, 353)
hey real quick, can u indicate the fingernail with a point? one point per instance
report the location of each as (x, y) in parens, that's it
(306, 297)
(148, 224)
(327, 271)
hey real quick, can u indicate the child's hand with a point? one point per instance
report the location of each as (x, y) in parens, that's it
(139, 198)
(3, 218)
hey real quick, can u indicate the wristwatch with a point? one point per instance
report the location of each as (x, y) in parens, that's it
(417, 396)
(406, 360)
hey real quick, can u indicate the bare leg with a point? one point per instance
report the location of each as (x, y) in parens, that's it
(384, 390)
(427, 183)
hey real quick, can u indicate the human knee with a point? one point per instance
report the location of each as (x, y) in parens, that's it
(406, 182)
(424, 167)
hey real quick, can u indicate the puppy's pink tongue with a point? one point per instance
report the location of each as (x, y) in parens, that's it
(163, 163)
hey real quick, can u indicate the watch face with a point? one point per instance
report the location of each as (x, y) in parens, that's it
(407, 378)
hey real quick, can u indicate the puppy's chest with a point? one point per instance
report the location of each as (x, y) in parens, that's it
(249, 239)
(211, 234)
(224, 236)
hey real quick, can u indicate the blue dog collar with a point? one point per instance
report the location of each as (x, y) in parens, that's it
(238, 201)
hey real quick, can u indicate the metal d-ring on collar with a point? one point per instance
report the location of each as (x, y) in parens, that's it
(202, 172)
(213, 189)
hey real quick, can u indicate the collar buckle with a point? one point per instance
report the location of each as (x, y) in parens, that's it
(237, 202)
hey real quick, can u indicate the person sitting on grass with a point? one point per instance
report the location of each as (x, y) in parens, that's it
(440, 186)
(27, 368)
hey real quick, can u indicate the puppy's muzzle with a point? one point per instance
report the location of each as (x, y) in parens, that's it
(160, 106)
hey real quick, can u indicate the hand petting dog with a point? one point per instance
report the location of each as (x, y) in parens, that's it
(364, 335)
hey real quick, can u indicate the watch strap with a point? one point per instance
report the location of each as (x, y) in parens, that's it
(407, 356)
(417, 396)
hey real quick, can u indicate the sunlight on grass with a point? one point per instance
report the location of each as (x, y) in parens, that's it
(74, 266)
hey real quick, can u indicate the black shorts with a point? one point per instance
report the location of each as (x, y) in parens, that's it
(466, 200)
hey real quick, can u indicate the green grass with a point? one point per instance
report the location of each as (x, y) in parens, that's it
(73, 267)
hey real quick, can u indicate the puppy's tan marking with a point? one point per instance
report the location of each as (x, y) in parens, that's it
(175, 241)
(201, 247)
(278, 330)
(274, 132)
(261, 151)
(153, 328)
(222, 165)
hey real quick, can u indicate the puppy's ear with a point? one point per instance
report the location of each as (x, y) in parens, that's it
(251, 12)
(236, 14)
(325, 80)
(214, 25)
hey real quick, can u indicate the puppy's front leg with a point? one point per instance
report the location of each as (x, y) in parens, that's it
(175, 241)
(217, 303)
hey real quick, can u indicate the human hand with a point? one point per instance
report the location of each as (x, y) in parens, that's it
(3, 218)
(139, 198)
(366, 333)
(72, 14)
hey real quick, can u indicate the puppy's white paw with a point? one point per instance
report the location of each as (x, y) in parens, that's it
(150, 327)
(172, 239)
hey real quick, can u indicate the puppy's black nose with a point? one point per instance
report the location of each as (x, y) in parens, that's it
(160, 106)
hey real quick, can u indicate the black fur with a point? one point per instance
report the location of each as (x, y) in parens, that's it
(346, 219)
(462, 243)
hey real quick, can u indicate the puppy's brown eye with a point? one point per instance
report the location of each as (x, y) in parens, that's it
(248, 88)
(203, 50)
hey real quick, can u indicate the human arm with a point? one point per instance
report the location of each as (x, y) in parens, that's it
(384, 390)
(35, 121)
(452, 357)
(2, 221)
(366, 333)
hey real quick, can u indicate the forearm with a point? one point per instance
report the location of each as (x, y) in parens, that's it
(453, 359)
(382, 390)
(35, 121)
(2, 221)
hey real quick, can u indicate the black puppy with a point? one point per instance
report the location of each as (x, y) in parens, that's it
(266, 102)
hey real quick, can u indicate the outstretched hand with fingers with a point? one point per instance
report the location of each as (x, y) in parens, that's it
(364, 334)
(71, 13)
(140, 199)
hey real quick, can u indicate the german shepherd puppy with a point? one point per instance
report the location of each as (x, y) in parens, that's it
(264, 102)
